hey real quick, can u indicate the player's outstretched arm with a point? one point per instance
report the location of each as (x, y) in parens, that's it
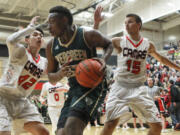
(19, 35)
(98, 17)
(152, 51)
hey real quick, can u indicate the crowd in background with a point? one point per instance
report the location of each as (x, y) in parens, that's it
(169, 81)
(173, 50)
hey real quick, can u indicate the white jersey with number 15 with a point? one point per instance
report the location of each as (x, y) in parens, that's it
(132, 61)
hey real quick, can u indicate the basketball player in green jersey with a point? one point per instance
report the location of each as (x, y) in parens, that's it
(72, 45)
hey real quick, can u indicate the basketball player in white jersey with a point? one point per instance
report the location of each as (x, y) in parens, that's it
(128, 89)
(25, 67)
(54, 93)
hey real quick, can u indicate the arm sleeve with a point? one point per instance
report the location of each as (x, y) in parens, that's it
(13, 40)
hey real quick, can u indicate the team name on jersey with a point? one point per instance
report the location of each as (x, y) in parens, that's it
(52, 90)
(75, 54)
(33, 69)
(134, 53)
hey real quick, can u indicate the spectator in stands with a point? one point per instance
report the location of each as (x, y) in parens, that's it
(173, 76)
(178, 79)
(155, 93)
(157, 82)
(166, 46)
(175, 105)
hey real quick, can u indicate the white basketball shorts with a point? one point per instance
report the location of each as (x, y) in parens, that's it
(21, 111)
(121, 98)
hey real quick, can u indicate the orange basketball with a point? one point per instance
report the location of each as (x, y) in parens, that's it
(88, 73)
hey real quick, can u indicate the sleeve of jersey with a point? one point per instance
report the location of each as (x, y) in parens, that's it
(13, 40)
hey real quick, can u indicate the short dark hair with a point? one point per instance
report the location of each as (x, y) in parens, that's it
(63, 11)
(137, 18)
(38, 29)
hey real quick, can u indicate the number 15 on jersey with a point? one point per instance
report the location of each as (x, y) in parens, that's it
(133, 66)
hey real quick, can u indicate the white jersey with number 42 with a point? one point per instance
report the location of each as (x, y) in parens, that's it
(54, 94)
(21, 74)
(132, 61)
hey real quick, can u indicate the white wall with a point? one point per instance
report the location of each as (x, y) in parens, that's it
(153, 31)
(147, 9)
(173, 33)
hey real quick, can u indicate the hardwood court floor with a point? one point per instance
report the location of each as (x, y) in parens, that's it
(96, 131)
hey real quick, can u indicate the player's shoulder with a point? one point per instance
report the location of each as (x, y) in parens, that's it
(46, 83)
(43, 59)
(117, 39)
(59, 84)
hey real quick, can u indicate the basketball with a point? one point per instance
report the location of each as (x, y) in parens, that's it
(88, 73)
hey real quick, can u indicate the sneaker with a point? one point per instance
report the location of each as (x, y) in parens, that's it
(124, 128)
(164, 131)
(117, 127)
(142, 128)
(97, 125)
(135, 129)
(88, 127)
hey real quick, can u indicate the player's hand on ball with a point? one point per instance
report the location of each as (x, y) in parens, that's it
(102, 62)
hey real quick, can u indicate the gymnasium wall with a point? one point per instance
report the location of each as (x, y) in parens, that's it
(152, 30)
(172, 34)
(147, 9)
(160, 37)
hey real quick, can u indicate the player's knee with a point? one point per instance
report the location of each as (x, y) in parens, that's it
(44, 131)
(111, 124)
(73, 129)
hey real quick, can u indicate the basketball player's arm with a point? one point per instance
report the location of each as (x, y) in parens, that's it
(152, 51)
(54, 75)
(43, 95)
(98, 17)
(96, 39)
(116, 44)
(13, 40)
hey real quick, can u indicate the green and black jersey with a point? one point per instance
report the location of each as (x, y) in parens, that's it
(77, 49)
